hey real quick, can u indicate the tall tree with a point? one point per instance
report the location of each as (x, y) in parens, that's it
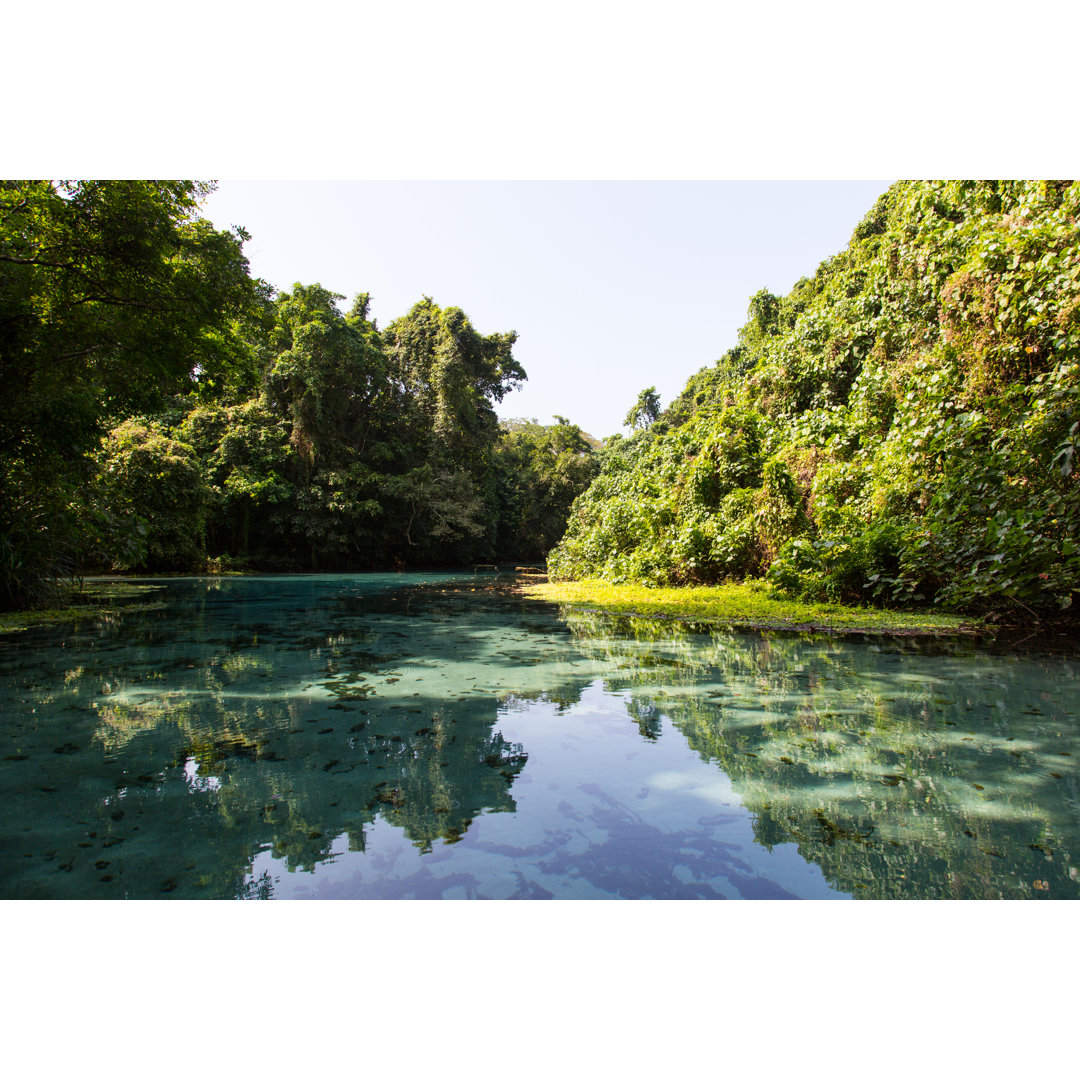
(541, 471)
(645, 410)
(329, 380)
(453, 375)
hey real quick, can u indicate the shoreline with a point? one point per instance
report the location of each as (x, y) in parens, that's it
(732, 607)
(750, 606)
(736, 606)
(95, 600)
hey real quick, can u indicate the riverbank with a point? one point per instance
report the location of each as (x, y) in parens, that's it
(744, 604)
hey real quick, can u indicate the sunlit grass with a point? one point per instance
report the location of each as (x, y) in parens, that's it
(750, 604)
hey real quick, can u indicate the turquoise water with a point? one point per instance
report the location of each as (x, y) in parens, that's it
(417, 736)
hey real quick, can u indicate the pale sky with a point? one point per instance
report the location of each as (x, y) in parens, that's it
(612, 286)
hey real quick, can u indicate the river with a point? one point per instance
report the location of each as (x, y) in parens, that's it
(436, 736)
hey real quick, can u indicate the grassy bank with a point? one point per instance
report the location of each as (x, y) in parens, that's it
(749, 604)
(95, 600)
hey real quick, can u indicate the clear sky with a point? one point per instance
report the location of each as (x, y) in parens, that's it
(611, 286)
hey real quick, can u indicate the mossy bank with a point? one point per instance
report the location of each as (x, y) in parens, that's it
(745, 604)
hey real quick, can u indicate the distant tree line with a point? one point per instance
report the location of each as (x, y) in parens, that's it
(164, 411)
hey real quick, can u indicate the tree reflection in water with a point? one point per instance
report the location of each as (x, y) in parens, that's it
(258, 727)
(905, 770)
(259, 739)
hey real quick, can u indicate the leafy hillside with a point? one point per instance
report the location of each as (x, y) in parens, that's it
(900, 427)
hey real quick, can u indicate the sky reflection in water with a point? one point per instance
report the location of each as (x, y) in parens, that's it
(417, 736)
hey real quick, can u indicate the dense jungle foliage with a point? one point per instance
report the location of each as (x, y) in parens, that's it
(901, 427)
(164, 411)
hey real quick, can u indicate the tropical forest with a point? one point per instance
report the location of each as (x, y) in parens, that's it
(166, 412)
(900, 428)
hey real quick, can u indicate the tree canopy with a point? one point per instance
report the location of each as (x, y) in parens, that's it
(645, 411)
(113, 294)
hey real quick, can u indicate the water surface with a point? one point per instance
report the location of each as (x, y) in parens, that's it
(417, 736)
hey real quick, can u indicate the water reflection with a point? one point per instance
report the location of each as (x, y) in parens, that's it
(219, 736)
(410, 736)
(903, 770)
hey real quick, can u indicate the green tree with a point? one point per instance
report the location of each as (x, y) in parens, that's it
(541, 471)
(112, 295)
(454, 375)
(348, 458)
(451, 376)
(328, 381)
(645, 411)
(151, 490)
(249, 474)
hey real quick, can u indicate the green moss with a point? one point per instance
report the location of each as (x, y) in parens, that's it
(750, 604)
(95, 600)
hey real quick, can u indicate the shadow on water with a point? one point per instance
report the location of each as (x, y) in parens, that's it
(258, 730)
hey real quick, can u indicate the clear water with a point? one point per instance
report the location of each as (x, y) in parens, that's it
(424, 736)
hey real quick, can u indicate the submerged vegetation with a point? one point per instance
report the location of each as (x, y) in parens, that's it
(92, 600)
(251, 727)
(901, 428)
